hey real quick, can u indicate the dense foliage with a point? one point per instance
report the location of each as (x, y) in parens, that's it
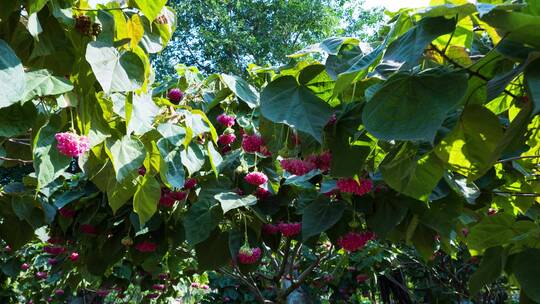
(217, 36)
(306, 181)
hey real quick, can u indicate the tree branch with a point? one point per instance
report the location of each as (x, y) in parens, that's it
(281, 271)
(16, 160)
(517, 158)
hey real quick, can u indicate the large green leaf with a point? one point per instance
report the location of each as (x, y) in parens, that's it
(119, 193)
(515, 26)
(146, 197)
(193, 158)
(497, 230)
(42, 83)
(284, 100)
(16, 119)
(468, 149)
(141, 115)
(172, 167)
(526, 268)
(213, 252)
(48, 162)
(413, 175)
(12, 79)
(115, 71)
(34, 6)
(127, 155)
(532, 77)
(412, 106)
(242, 89)
(405, 52)
(205, 214)
(320, 216)
(150, 8)
(490, 269)
(231, 200)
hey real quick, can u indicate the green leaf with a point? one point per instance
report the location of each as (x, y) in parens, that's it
(127, 155)
(413, 106)
(172, 167)
(284, 100)
(532, 78)
(242, 89)
(215, 158)
(16, 119)
(213, 252)
(320, 216)
(231, 200)
(48, 162)
(413, 175)
(15, 232)
(526, 268)
(12, 79)
(42, 83)
(388, 212)
(405, 52)
(119, 193)
(34, 27)
(193, 158)
(205, 214)
(496, 230)
(150, 8)
(468, 149)
(34, 6)
(115, 71)
(490, 269)
(515, 26)
(146, 197)
(143, 112)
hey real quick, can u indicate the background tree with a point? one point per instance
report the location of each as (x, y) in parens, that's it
(228, 35)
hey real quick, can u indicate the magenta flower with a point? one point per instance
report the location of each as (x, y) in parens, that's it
(59, 292)
(226, 139)
(262, 193)
(74, 256)
(350, 185)
(52, 261)
(146, 246)
(297, 166)
(40, 275)
(252, 143)
(159, 287)
(25, 266)
(67, 212)
(353, 241)
(290, 229)
(226, 120)
(54, 250)
(190, 183)
(142, 170)
(248, 255)
(361, 278)
(256, 178)
(175, 95)
(71, 144)
(321, 161)
(152, 295)
(270, 229)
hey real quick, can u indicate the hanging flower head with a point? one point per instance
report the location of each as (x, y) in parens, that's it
(290, 229)
(252, 143)
(353, 241)
(226, 120)
(175, 95)
(248, 255)
(256, 178)
(350, 185)
(71, 144)
(297, 166)
(226, 139)
(146, 246)
(190, 183)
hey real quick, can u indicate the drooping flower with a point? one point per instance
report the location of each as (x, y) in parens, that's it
(54, 250)
(71, 144)
(353, 241)
(59, 292)
(262, 193)
(7, 248)
(152, 295)
(297, 166)
(163, 276)
(226, 139)
(88, 229)
(195, 284)
(25, 266)
(256, 178)
(175, 95)
(270, 229)
(226, 120)
(290, 229)
(40, 275)
(350, 185)
(146, 246)
(159, 287)
(190, 183)
(252, 143)
(321, 161)
(67, 212)
(248, 255)
(142, 170)
(52, 261)
(74, 256)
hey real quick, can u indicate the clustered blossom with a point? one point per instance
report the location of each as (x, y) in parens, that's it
(252, 143)
(71, 144)
(175, 95)
(270, 229)
(190, 183)
(350, 185)
(54, 250)
(146, 246)
(321, 161)
(88, 229)
(168, 197)
(59, 292)
(40, 275)
(226, 139)
(262, 193)
(226, 120)
(159, 287)
(74, 256)
(142, 170)
(297, 166)
(290, 229)
(25, 266)
(353, 241)
(248, 255)
(256, 178)
(66, 212)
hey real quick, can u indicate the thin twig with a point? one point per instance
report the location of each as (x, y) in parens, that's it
(517, 158)
(283, 265)
(101, 9)
(24, 161)
(511, 193)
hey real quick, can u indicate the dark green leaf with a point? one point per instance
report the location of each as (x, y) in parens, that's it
(490, 269)
(12, 79)
(319, 216)
(146, 198)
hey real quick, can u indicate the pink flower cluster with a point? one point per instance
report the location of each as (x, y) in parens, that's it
(256, 178)
(159, 287)
(71, 144)
(226, 139)
(226, 120)
(350, 185)
(175, 95)
(252, 143)
(262, 193)
(74, 256)
(290, 229)
(146, 246)
(54, 250)
(168, 197)
(248, 255)
(353, 241)
(270, 229)
(321, 161)
(297, 166)
(67, 212)
(190, 183)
